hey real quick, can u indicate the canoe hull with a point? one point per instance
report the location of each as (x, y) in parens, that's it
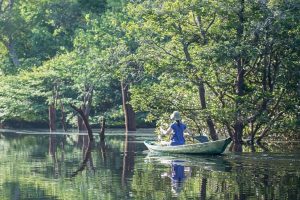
(214, 147)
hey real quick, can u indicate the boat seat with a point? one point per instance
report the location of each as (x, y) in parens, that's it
(201, 138)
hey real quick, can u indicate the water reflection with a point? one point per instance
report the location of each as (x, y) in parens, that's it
(52, 153)
(206, 162)
(46, 166)
(87, 158)
(101, 146)
(184, 171)
(128, 158)
(177, 175)
(88, 147)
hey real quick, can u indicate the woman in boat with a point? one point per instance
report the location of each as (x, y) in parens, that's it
(177, 129)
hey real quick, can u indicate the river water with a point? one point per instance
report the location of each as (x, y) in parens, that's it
(39, 165)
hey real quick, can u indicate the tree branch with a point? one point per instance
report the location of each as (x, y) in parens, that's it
(211, 23)
(267, 128)
(167, 52)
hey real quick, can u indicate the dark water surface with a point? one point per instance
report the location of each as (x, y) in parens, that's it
(57, 166)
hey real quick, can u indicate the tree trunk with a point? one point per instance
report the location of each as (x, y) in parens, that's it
(129, 113)
(12, 52)
(85, 108)
(210, 124)
(237, 138)
(239, 125)
(80, 124)
(85, 120)
(63, 118)
(52, 117)
(240, 85)
(201, 90)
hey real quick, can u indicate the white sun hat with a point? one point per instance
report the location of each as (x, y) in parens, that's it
(175, 116)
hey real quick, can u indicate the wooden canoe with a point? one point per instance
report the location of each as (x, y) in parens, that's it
(212, 147)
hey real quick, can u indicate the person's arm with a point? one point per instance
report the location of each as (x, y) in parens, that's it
(188, 131)
(166, 132)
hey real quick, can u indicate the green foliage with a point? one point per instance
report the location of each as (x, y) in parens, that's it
(188, 40)
(163, 51)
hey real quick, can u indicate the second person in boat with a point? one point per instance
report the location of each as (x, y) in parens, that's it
(177, 129)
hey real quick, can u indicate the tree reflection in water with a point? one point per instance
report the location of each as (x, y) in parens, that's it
(189, 176)
(123, 172)
(87, 148)
(87, 158)
(101, 146)
(52, 152)
(128, 159)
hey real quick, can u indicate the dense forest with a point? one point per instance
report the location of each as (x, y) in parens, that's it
(230, 67)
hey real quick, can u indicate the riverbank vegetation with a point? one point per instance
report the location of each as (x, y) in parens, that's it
(230, 67)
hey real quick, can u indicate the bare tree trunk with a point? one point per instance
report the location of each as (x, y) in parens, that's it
(52, 117)
(129, 114)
